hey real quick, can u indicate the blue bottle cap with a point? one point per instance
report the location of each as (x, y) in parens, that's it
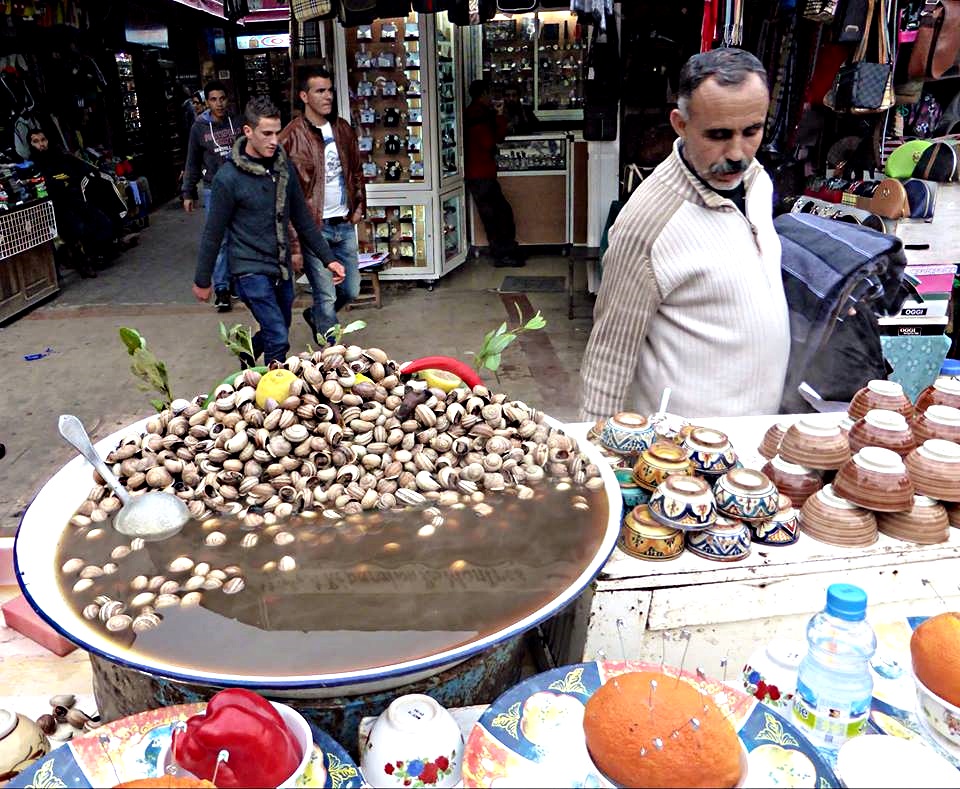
(846, 601)
(950, 367)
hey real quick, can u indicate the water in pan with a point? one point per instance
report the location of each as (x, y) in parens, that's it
(312, 595)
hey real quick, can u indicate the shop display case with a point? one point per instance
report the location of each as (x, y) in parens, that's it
(400, 76)
(132, 122)
(539, 55)
(532, 154)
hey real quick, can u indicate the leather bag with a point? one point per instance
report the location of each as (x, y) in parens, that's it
(921, 198)
(902, 161)
(937, 163)
(861, 86)
(311, 10)
(938, 40)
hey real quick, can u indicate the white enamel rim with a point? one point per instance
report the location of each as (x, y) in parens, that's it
(817, 427)
(887, 420)
(788, 468)
(883, 461)
(831, 499)
(947, 384)
(888, 388)
(48, 514)
(943, 415)
(940, 450)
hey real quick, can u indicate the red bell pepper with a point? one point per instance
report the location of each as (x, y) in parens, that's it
(263, 751)
(460, 369)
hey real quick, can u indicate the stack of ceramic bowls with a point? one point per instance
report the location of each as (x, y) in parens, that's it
(644, 538)
(815, 443)
(659, 461)
(623, 437)
(726, 540)
(683, 502)
(876, 479)
(938, 421)
(886, 395)
(832, 519)
(879, 428)
(782, 528)
(710, 452)
(935, 469)
(944, 391)
(953, 515)
(770, 445)
(797, 482)
(926, 523)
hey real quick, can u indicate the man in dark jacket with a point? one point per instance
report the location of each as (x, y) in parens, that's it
(254, 196)
(211, 138)
(484, 128)
(323, 149)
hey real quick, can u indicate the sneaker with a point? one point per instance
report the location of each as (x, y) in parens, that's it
(308, 317)
(222, 301)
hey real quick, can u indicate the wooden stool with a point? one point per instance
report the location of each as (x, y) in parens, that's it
(369, 289)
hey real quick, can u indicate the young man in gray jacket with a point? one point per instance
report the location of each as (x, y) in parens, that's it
(208, 147)
(253, 197)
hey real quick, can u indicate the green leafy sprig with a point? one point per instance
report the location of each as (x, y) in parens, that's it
(497, 341)
(335, 333)
(147, 368)
(238, 339)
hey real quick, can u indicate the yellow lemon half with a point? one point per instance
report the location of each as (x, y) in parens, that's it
(274, 384)
(440, 379)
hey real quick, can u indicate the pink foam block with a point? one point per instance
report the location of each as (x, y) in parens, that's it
(935, 283)
(21, 617)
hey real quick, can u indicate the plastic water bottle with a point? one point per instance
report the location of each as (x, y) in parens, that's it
(834, 684)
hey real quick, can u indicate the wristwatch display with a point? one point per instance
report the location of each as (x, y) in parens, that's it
(386, 102)
(529, 154)
(397, 230)
(447, 97)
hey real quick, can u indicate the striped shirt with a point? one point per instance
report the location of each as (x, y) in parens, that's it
(691, 298)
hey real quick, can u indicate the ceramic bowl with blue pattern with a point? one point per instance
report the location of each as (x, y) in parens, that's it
(746, 494)
(684, 503)
(727, 540)
(628, 433)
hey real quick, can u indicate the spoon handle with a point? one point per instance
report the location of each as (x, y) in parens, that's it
(72, 430)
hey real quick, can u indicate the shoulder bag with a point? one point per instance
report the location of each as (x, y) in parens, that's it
(863, 87)
(310, 10)
(938, 40)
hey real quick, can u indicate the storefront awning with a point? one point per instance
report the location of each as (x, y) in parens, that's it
(260, 10)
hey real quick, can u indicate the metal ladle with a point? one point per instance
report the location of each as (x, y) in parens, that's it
(151, 516)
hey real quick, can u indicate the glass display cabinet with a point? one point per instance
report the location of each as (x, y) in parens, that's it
(539, 55)
(526, 154)
(400, 76)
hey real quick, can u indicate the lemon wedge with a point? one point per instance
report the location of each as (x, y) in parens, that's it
(440, 379)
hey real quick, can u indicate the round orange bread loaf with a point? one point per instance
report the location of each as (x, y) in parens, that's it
(619, 722)
(935, 649)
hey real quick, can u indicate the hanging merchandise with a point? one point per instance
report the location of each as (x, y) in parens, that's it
(601, 89)
(732, 23)
(821, 10)
(235, 9)
(708, 29)
(938, 40)
(517, 6)
(312, 10)
(862, 86)
(472, 12)
(853, 27)
(432, 6)
(391, 9)
(357, 12)
(924, 116)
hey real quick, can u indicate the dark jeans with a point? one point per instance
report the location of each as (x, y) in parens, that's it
(496, 215)
(328, 298)
(270, 299)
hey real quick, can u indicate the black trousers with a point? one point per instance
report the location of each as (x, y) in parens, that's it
(496, 215)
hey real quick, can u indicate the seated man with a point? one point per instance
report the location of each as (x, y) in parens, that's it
(90, 233)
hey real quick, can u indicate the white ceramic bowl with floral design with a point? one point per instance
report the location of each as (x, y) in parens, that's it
(939, 714)
(414, 743)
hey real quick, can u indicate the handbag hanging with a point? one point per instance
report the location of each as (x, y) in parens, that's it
(938, 40)
(820, 10)
(863, 87)
(311, 10)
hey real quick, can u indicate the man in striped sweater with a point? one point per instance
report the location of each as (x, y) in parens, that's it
(692, 296)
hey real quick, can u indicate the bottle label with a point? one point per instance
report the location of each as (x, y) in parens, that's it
(829, 722)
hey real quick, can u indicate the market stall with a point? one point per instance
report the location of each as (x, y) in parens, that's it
(28, 273)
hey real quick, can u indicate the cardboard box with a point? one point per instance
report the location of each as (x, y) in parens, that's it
(912, 327)
(933, 306)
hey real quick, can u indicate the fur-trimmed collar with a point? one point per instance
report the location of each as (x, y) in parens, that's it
(248, 165)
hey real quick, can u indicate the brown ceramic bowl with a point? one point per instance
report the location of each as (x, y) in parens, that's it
(926, 523)
(770, 445)
(815, 442)
(934, 467)
(879, 428)
(845, 424)
(887, 395)
(662, 459)
(953, 515)
(797, 482)
(831, 519)
(944, 391)
(938, 421)
(875, 479)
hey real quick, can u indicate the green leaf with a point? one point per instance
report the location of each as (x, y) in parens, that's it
(132, 339)
(354, 326)
(224, 335)
(501, 329)
(499, 344)
(492, 362)
(536, 322)
(158, 404)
